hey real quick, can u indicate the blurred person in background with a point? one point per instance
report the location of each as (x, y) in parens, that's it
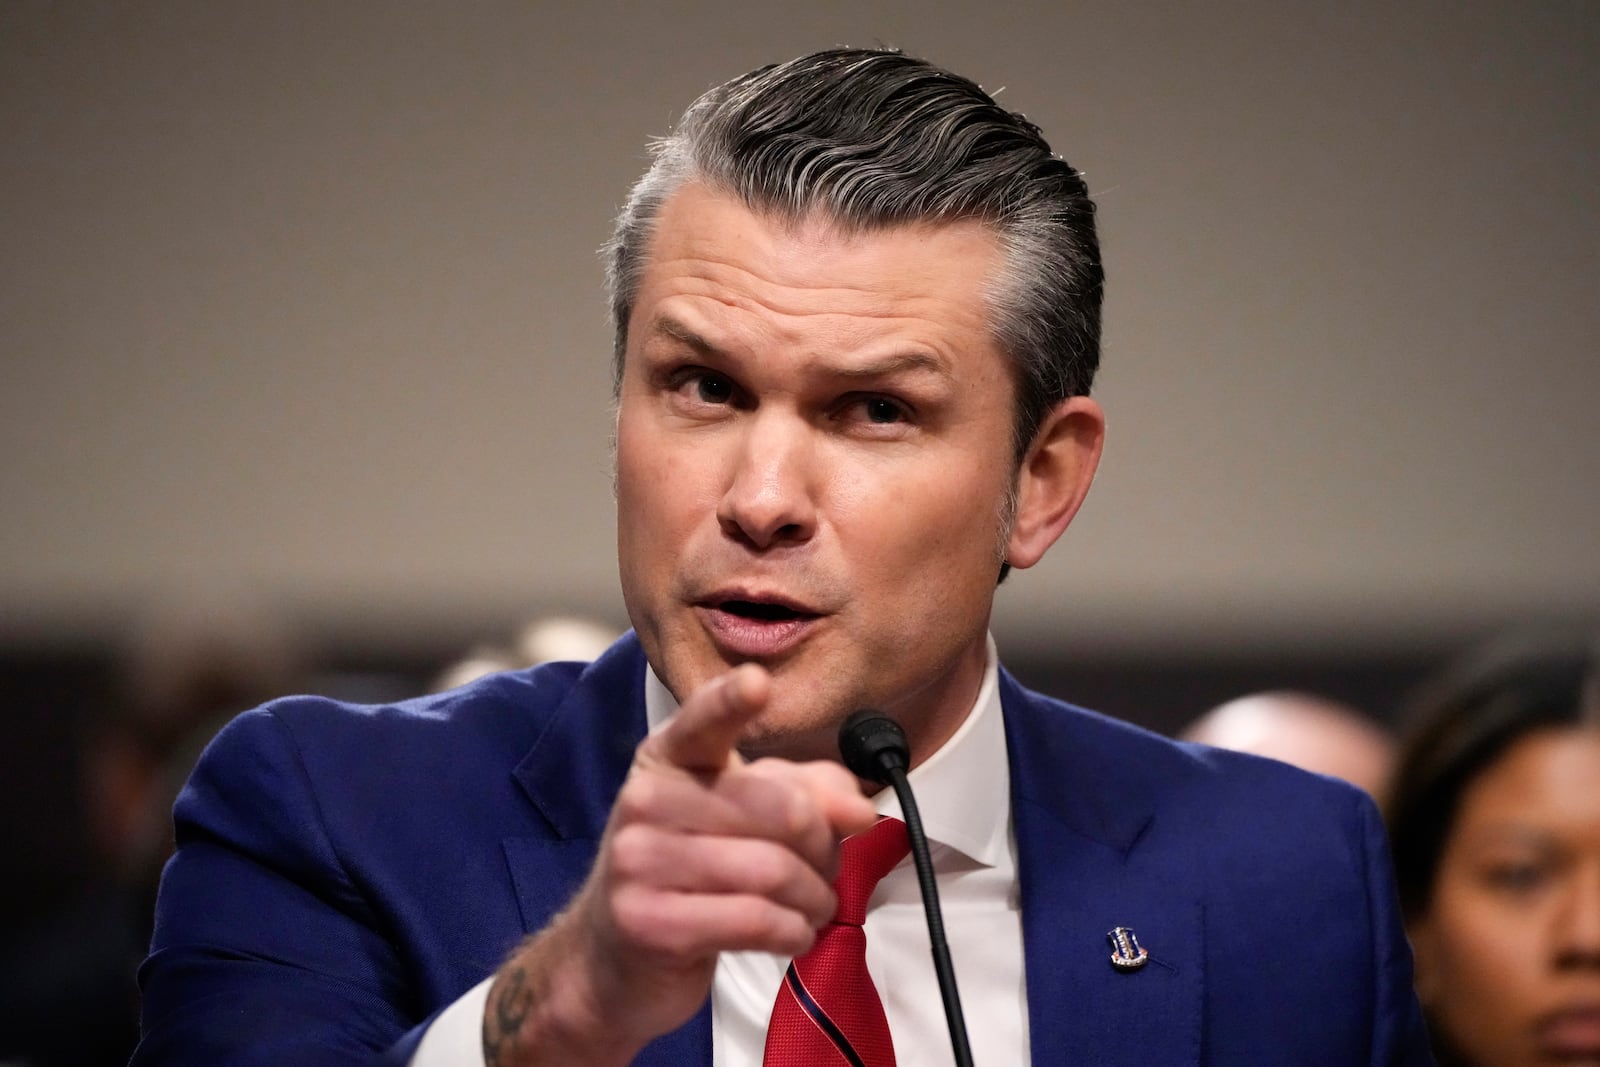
(1308, 731)
(1494, 819)
(553, 639)
(190, 662)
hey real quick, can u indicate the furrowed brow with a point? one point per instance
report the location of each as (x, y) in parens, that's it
(890, 366)
(876, 369)
(677, 331)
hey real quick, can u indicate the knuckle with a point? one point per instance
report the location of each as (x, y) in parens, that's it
(632, 852)
(637, 800)
(800, 814)
(827, 905)
(789, 808)
(771, 871)
(678, 936)
(782, 930)
(631, 912)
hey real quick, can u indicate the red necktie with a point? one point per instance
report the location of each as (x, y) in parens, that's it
(828, 1012)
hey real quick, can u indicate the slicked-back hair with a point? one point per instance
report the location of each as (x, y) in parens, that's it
(874, 139)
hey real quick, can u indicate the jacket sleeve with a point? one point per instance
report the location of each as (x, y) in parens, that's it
(1399, 1036)
(265, 951)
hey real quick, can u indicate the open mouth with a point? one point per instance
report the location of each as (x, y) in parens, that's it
(756, 629)
(763, 612)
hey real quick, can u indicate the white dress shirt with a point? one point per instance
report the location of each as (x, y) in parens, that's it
(964, 793)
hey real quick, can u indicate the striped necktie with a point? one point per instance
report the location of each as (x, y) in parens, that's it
(828, 1013)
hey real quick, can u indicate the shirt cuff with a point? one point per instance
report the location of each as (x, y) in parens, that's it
(456, 1037)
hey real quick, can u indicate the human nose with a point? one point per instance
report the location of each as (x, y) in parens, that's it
(1578, 922)
(768, 499)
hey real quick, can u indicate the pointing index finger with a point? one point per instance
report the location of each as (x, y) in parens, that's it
(703, 733)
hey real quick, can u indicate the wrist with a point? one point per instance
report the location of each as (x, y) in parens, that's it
(542, 1010)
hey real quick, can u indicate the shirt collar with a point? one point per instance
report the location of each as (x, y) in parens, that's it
(963, 789)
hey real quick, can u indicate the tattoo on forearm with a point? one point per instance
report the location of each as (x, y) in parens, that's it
(512, 1001)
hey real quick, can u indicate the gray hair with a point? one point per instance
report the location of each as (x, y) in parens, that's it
(876, 139)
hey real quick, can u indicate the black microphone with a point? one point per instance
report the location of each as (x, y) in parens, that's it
(874, 747)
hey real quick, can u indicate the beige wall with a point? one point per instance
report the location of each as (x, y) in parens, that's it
(304, 295)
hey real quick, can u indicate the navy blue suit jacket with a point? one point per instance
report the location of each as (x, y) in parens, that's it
(343, 873)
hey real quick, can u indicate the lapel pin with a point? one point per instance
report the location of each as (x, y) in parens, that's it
(1126, 952)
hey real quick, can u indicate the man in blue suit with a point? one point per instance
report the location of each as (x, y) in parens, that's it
(857, 310)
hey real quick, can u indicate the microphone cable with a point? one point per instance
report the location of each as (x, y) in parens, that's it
(875, 748)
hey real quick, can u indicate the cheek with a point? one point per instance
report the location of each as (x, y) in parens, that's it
(645, 509)
(932, 523)
(1478, 971)
(940, 499)
(654, 485)
(931, 564)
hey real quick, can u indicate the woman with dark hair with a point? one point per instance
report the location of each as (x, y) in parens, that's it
(1494, 819)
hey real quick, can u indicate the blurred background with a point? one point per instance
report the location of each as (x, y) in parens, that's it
(305, 351)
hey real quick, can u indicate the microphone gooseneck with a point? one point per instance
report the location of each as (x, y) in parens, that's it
(874, 747)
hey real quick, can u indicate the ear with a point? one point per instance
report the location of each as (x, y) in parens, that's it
(1054, 477)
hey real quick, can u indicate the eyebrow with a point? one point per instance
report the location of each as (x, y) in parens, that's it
(897, 363)
(1513, 833)
(681, 333)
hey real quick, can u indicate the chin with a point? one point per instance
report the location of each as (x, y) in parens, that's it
(792, 735)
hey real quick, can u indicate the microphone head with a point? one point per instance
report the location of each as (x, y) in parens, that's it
(873, 744)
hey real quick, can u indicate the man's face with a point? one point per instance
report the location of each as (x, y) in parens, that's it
(813, 465)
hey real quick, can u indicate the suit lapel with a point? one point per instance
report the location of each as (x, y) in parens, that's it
(571, 775)
(1083, 820)
(575, 768)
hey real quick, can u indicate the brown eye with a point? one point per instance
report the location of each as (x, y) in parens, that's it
(1515, 877)
(713, 389)
(882, 410)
